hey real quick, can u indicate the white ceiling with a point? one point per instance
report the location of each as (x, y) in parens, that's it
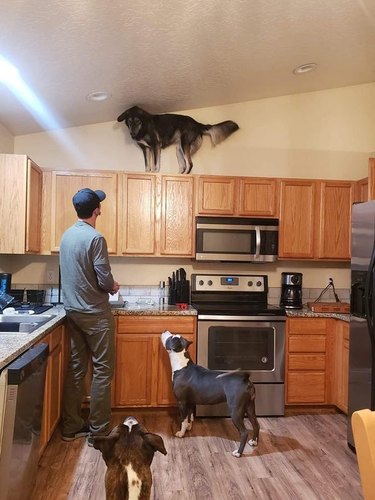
(173, 55)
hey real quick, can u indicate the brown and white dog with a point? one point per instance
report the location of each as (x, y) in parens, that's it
(156, 132)
(194, 384)
(128, 452)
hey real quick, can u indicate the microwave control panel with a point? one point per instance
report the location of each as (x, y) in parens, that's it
(233, 282)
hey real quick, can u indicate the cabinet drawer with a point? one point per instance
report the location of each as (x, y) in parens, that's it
(307, 325)
(307, 343)
(308, 387)
(307, 362)
(156, 324)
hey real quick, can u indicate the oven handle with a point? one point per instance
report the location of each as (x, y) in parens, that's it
(218, 317)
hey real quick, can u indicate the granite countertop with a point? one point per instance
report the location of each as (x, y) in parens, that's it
(307, 313)
(14, 344)
(152, 310)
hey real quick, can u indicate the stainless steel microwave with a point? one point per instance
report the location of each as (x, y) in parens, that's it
(236, 239)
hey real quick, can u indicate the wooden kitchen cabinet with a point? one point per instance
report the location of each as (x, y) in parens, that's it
(138, 218)
(258, 197)
(315, 219)
(298, 218)
(306, 361)
(340, 366)
(21, 201)
(216, 195)
(156, 215)
(65, 185)
(334, 224)
(54, 385)
(143, 372)
(238, 196)
(361, 190)
(177, 216)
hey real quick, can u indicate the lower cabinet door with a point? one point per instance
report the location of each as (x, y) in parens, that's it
(305, 387)
(133, 370)
(53, 387)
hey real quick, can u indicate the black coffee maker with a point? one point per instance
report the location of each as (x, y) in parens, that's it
(291, 290)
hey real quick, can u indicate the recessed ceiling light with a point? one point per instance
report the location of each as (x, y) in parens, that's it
(304, 68)
(98, 96)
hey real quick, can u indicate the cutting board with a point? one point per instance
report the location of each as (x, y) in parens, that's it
(335, 307)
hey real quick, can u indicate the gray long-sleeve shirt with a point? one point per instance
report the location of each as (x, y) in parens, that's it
(86, 277)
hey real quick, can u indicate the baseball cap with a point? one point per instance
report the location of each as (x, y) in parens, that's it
(86, 199)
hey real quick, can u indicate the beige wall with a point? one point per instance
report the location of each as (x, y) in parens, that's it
(327, 134)
(26, 269)
(6, 140)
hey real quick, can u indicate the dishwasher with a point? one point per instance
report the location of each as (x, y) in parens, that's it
(21, 407)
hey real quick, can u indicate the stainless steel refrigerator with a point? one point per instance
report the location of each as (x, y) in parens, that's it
(362, 308)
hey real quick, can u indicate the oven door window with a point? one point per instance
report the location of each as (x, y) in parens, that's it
(247, 348)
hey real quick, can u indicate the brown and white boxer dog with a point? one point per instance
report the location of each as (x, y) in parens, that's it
(128, 452)
(193, 384)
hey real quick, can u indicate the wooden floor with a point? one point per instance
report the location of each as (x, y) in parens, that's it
(300, 456)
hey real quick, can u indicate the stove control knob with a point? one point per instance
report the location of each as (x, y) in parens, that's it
(209, 282)
(201, 282)
(250, 283)
(259, 283)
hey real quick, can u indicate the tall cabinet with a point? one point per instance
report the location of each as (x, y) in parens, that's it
(298, 218)
(63, 188)
(21, 198)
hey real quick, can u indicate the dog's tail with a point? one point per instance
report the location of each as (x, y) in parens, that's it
(220, 131)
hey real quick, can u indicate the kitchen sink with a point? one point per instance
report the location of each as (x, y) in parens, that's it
(24, 323)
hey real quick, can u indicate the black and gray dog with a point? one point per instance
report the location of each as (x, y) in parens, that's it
(156, 132)
(194, 384)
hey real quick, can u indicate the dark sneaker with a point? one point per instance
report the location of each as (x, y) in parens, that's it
(85, 431)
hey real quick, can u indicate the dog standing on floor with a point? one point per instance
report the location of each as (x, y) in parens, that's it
(156, 132)
(193, 384)
(128, 452)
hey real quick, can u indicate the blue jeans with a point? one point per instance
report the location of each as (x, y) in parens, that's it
(92, 336)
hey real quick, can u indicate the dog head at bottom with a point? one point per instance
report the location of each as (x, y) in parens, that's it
(128, 452)
(174, 343)
(127, 437)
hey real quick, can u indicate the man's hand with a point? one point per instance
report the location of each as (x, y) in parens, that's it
(116, 288)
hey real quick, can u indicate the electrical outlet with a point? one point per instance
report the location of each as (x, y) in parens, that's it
(50, 277)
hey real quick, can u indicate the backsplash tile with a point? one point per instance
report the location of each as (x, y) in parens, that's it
(132, 294)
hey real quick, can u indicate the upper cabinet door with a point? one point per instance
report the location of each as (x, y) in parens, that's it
(216, 195)
(336, 199)
(64, 187)
(258, 197)
(20, 213)
(361, 190)
(137, 214)
(33, 207)
(298, 215)
(177, 216)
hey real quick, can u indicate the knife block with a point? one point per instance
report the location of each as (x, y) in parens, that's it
(180, 294)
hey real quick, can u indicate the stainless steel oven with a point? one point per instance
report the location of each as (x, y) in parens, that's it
(238, 329)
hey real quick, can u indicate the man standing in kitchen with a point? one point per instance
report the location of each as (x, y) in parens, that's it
(86, 280)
